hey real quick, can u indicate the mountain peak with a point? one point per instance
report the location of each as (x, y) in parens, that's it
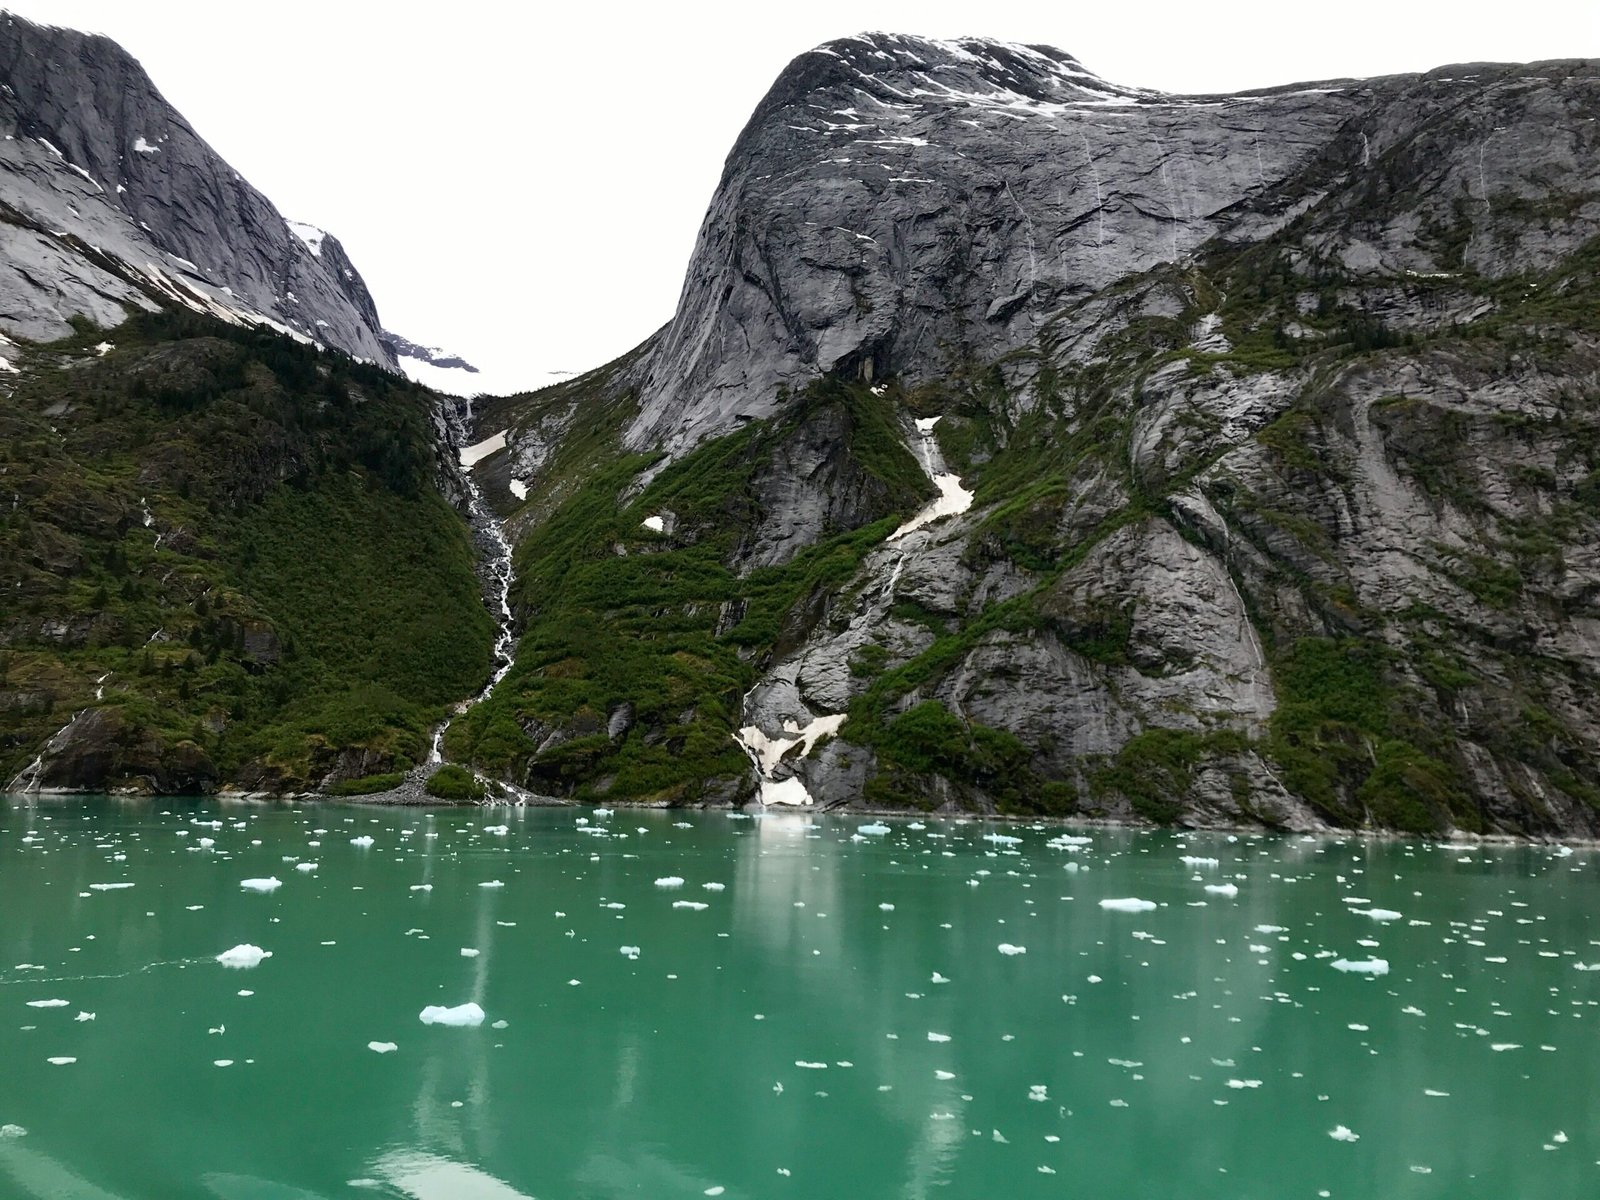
(113, 202)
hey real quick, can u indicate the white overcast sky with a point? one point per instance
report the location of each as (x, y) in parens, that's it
(522, 182)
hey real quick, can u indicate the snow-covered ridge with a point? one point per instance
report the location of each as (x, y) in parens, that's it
(309, 234)
(974, 69)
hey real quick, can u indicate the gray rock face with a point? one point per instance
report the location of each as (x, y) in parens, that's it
(895, 203)
(108, 199)
(895, 200)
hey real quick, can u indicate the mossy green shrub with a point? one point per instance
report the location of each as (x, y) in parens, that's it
(367, 785)
(1155, 769)
(455, 783)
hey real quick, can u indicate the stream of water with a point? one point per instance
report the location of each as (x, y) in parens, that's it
(489, 532)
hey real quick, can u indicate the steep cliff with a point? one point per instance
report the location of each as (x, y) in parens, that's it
(1257, 434)
(110, 202)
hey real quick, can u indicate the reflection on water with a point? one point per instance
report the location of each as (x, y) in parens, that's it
(832, 1016)
(430, 1177)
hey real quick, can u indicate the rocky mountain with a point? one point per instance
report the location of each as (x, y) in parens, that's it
(1023, 441)
(110, 202)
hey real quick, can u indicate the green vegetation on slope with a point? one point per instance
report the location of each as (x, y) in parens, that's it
(241, 536)
(640, 645)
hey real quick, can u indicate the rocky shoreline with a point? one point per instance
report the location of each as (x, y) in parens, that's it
(411, 794)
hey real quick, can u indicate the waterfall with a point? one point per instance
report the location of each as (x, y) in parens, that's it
(953, 498)
(490, 535)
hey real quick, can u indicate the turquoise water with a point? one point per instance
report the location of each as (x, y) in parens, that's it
(837, 1020)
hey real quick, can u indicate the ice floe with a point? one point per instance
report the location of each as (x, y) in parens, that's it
(1365, 966)
(461, 1015)
(243, 956)
(1128, 904)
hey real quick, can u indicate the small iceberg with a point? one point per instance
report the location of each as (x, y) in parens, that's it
(1129, 904)
(243, 957)
(1364, 966)
(261, 885)
(460, 1016)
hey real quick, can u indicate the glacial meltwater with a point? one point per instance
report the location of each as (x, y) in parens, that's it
(247, 1002)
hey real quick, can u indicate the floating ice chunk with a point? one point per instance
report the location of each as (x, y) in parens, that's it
(382, 1047)
(468, 952)
(694, 905)
(222, 1062)
(811, 1066)
(243, 956)
(84, 1016)
(1130, 904)
(1190, 861)
(1002, 839)
(875, 829)
(491, 883)
(62, 1061)
(629, 951)
(1364, 966)
(670, 881)
(497, 830)
(1009, 950)
(1270, 929)
(938, 1037)
(363, 840)
(886, 907)
(715, 1191)
(305, 866)
(108, 887)
(1240, 1084)
(944, 1076)
(1502, 1047)
(422, 887)
(1377, 914)
(261, 885)
(461, 1015)
(47, 1003)
(1342, 1133)
(8, 1132)
(1223, 889)
(715, 887)
(938, 978)
(1038, 1091)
